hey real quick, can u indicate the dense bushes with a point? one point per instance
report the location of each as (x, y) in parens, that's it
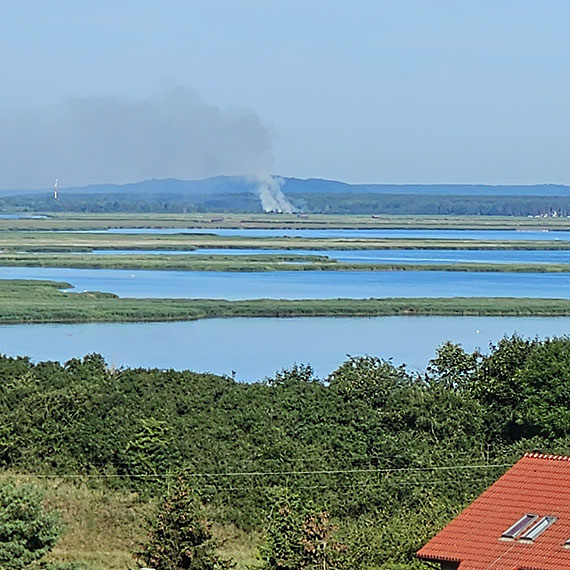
(27, 531)
(373, 445)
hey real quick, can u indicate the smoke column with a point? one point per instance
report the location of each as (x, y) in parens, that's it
(173, 134)
(271, 196)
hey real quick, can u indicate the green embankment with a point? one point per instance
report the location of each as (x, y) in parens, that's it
(43, 301)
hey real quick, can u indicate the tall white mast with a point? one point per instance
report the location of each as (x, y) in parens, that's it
(55, 189)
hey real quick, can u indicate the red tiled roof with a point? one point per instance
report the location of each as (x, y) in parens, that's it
(537, 484)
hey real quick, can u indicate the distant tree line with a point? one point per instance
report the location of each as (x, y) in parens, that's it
(389, 455)
(312, 203)
(417, 204)
(125, 203)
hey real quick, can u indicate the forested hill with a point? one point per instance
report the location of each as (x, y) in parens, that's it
(320, 186)
(240, 194)
(241, 184)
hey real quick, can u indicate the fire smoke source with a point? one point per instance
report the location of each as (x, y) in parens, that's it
(271, 195)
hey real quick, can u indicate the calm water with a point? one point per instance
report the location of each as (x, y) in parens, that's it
(340, 233)
(302, 284)
(381, 256)
(22, 217)
(256, 348)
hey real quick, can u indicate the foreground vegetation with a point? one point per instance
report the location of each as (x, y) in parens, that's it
(29, 301)
(391, 456)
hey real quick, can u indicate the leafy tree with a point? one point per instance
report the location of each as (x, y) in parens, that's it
(320, 549)
(390, 540)
(283, 543)
(300, 538)
(524, 386)
(150, 451)
(453, 367)
(298, 373)
(369, 379)
(27, 531)
(180, 538)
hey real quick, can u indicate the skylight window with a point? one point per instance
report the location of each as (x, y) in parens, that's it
(521, 525)
(538, 528)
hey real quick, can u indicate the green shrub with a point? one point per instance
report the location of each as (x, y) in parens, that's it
(27, 532)
(300, 537)
(180, 538)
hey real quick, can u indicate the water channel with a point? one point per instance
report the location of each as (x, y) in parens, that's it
(420, 256)
(301, 284)
(502, 235)
(251, 349)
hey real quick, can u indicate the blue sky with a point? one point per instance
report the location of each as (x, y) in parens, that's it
(362, 91)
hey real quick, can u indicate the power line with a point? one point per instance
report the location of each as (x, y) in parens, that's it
(286, 460)
(370, 484)
(347, 471)
(387, 470)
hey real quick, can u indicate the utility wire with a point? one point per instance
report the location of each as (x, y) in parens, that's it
(176, 473)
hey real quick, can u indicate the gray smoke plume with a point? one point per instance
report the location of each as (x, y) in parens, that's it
(109, 139)
(271, 196)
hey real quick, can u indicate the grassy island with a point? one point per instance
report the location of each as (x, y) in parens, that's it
(255, 263)
(27, 301)
(69, 242)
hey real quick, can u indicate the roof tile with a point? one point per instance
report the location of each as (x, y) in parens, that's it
(538, 484)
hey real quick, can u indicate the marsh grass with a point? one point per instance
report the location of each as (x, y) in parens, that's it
(257, 263)
(31, 301)
(77, 221)
(18, 242)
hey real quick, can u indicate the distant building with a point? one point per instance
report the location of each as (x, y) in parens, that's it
(522, 522)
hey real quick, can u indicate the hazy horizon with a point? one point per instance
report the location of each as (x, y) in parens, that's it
(375, 91)
(63, 186)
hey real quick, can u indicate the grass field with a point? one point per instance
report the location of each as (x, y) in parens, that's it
(103, 528)
(316, 221)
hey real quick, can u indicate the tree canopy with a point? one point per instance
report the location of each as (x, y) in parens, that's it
(388, 454)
